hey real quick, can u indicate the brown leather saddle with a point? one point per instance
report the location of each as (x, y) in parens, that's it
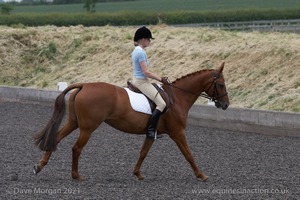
(167, 96)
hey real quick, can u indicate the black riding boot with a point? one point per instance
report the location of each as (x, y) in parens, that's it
(152, 124)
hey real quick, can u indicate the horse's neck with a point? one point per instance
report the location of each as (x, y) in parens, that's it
(192, 86)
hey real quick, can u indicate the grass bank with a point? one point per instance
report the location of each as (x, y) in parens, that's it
(262, 70)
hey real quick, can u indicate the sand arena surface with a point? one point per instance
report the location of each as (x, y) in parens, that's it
(240, 165)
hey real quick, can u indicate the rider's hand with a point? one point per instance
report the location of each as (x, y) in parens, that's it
(164, 80)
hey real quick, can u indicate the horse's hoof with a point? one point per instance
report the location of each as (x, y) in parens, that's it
(204, 178)
(79, 178)
(36, 169)
(139, 176)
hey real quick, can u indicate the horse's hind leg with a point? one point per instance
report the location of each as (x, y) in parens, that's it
(66, 130)
(143, 153)
(83, 138)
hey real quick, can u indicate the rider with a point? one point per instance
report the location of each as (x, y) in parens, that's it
(141, 75)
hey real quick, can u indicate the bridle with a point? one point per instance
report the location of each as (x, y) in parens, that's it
(215, 97)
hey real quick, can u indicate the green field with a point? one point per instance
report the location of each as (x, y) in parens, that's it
(153, 12)
(164, 6)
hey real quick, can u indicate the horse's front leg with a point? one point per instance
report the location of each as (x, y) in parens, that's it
(181, 142)
(143, 153)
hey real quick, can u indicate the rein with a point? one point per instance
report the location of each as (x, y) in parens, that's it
(201, 95)
(214, 83)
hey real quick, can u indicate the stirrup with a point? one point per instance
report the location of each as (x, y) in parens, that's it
(156, 136)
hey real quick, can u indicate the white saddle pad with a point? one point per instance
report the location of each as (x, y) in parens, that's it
(139, 102)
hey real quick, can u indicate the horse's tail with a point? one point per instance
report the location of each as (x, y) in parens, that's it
(46, 139)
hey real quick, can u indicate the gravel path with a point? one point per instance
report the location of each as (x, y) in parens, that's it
(240, 165)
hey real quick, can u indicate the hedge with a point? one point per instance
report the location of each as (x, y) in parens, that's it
(139, 18)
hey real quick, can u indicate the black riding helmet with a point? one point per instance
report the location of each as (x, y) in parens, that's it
(141, 33)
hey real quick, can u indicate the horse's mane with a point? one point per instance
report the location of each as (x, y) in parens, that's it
(191, 74)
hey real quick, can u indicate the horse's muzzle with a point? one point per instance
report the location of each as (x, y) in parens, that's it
(221, 104)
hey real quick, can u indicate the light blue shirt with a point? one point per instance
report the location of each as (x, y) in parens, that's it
(138, 55)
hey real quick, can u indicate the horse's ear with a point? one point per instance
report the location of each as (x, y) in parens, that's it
(221, 67)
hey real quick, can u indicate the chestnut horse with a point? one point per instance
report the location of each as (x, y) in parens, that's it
(90, 104)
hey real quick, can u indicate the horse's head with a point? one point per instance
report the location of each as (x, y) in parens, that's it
(216, 89)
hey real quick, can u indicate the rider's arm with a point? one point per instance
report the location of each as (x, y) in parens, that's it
(147, 73)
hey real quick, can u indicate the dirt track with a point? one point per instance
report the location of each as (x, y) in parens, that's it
(240, 165)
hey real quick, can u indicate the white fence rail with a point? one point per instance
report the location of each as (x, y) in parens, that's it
(291, 25)
(237, 119)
